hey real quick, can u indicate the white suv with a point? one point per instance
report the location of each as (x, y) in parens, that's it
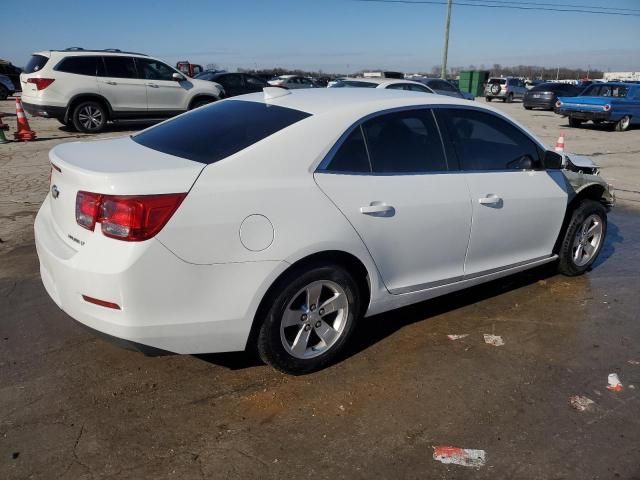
(87, 88)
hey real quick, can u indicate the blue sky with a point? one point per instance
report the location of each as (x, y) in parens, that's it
(332, 35)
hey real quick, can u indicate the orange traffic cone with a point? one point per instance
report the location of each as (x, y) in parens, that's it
(24, 132)
(3, 127)
(560, 143)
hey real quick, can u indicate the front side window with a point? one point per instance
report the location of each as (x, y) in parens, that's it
(154, 69)
(404, 142)
(484, 141)
(218, 130)
(255, 82)
(120, 67)
(79, 65)
(230, 80)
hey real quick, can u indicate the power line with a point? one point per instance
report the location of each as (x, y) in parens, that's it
(572, 5)
(513, 7)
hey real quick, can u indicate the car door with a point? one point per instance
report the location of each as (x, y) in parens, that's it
(164, 93)
(118, 82)
(232, 83)
(398, 192)
(254, 84)
(518, 207)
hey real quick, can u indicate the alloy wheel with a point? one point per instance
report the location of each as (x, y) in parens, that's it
(90, 117)
(314, 319)
(587, 240)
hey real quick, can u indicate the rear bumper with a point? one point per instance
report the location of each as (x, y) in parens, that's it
(165, 303)
(547, 103)
(49, 111)
(584, 114)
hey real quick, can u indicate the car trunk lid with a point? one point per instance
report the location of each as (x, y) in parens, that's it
(110, 167)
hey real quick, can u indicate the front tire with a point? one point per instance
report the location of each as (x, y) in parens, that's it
(488, 99)
(527, 108)
(583, 238)
(623, 124)
(509, 98)
(4, 93)
(89, 117)
(201, 101)
(312, 313)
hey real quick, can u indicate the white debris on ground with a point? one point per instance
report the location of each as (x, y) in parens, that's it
(614, 383)
(495, 340)
(460, 456)
(581, 403)
(633, 362)
(457, 337)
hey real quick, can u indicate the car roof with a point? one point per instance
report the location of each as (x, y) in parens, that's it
(74, 52)
(380, 81)
(362, 101)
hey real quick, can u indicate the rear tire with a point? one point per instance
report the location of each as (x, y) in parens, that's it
(623, 124)
(583, 238)
(527, 108)
(4, 93)
(574, 122)
(296, 336)
(488, 99)
(509, 98)
(89, 117)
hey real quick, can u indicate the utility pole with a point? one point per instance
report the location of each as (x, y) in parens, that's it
(445, 53)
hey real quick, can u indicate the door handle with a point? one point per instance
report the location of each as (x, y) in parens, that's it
(491, 199)
(110, 82)
(380, 209)
(152, 85)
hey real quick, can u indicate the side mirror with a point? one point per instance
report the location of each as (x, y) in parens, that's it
(552, 160)
(178, 77)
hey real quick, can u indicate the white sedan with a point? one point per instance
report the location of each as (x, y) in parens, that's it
(386, 83)
(277, 221)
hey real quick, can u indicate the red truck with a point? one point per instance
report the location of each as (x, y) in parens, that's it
(188, 68)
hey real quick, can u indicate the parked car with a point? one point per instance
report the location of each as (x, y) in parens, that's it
(444, 87)
(385, 83)
(278, 220)
(6, 87)
(87, 88)
(234, 83)
(545, 95)
(11, 71)
(614, 102)
(506, 89)
(292, 82)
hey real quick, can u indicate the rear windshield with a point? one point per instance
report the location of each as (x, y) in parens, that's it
(35, 64)
(219, 130)
(605, 91)
(500, 81)
(355, 84)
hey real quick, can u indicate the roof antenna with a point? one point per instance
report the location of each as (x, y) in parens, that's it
(275, 92)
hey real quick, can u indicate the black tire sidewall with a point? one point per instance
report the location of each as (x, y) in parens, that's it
(4, 93)
(76, 122)
(586, 208)
(269, 345)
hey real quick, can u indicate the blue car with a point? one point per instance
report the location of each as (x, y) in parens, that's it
(612, 102)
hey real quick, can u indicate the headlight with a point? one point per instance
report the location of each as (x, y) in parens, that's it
(607, 107)
(558, 104)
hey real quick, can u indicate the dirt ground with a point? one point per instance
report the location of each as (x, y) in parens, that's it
(76, 407)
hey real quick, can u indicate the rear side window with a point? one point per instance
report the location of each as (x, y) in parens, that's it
(219, 130)
(404, 142)
(352, 156)
(119, 67)
(35, 64)
(484, 141)
(79, 65)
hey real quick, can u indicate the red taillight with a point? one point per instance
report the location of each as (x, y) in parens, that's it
(40, 83)
(87, 209)
(130, 218)
(102, 303)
